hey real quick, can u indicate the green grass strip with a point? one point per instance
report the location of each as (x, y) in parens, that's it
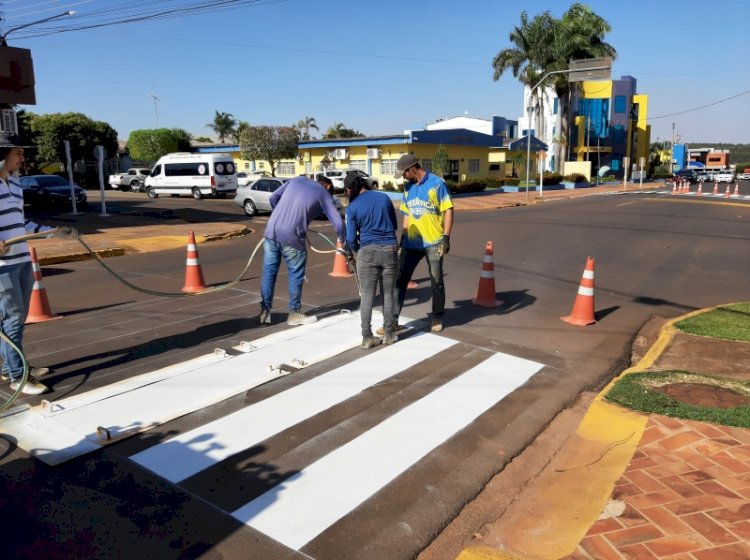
(731, 322)
(636, 391)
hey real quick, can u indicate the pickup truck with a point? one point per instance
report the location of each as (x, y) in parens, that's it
(133, 179)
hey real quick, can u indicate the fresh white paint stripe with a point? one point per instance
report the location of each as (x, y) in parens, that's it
(589, 274)
(196, 450)
(125, 408)
(192, 262)
(585, 291)
(487, 274)
(300, 508)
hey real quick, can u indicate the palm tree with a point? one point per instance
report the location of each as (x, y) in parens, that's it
(304, 125)
(224, 125)
(580, 35)
(545, 44)
(339, 130)
(527, 59)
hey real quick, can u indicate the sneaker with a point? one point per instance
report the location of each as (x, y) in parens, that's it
(31, 387)
(35, 371)
(390, 338)
(265, 317)
(370, 342)
(437, 324)
(297, 318)
(396, 329)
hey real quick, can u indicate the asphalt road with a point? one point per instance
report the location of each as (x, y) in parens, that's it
(654, 254)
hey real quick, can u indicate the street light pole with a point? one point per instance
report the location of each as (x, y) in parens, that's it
(3, 42)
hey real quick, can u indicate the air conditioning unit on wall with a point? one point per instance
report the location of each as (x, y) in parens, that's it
(341, 153)
(373, 153)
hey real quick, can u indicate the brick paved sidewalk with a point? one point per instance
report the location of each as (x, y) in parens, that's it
(686, 494)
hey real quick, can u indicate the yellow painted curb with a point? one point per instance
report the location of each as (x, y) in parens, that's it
(581, 477)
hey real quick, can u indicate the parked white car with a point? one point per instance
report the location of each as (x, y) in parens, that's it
(256, 197)
(244, 178)
(725, 176)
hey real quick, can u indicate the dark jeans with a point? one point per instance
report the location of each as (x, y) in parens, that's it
(376, 262)
(16, 285)
(408, 263)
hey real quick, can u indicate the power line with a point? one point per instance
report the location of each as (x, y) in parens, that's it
(701, 107)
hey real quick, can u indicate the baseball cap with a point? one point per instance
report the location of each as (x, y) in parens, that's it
(405, 162)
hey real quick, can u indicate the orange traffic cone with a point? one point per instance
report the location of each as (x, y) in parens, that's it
(727, 193)
(700, 189)
(716, 187)
(340, 266)
(674, 187)
(39, 307)
(193, 273)
(485, 295)
(737, 189)
(583, 308)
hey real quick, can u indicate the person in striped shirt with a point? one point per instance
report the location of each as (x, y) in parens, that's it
(16, 275)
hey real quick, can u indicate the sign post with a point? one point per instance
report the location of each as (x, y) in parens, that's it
(625, 166)
(69, 166)
(642, 162)
(99, 153)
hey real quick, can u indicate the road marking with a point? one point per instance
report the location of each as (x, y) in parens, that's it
(300, 508)
(191, 452)
(626, 203)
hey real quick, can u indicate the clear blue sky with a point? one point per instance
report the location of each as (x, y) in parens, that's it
(379, 67)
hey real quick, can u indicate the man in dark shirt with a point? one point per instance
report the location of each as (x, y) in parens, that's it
(371, 231)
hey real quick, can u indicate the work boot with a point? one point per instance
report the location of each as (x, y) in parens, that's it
(395, 327)
(437, 324)
(35, 371)
(31, 387)
(298, 318)
(370, 342)
(390, 338)
(265, 317)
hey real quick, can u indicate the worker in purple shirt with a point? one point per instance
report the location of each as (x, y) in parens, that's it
(295, 204)
(371, 231)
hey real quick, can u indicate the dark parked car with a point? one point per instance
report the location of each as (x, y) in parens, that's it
(50, 191)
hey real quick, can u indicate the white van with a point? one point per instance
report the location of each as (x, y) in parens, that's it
(198, 175)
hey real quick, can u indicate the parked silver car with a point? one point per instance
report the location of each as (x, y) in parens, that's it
(256, 196)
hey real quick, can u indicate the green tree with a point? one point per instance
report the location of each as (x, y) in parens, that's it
(237, 132)
(48, 133)
(148, 145)
(223, 125)
(184, 139)
(203, 139)
(440, 161)
(305, 125)
(517, 160)
(269, 143)
(339, 130)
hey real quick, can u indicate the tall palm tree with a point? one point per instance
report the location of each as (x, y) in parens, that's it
(579, 35)
(224, 125)
(528, 57)
(305, 125)
(545, 44)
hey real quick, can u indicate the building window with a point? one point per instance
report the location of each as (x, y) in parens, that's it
(388, 166)
(555, 105)
(473, 166)
(494, 167)
(621, 104)
(286, 168)
(247, 165)
(615, 165)
(360, 164)
(426, 164)
(261, 165)
(595, 113)
(308, 168)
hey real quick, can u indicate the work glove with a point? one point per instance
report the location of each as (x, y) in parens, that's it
(347, 254)
(65, 232)
(4, 248)
(445, 246)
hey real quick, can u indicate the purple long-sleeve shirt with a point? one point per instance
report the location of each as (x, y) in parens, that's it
(295, 204)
